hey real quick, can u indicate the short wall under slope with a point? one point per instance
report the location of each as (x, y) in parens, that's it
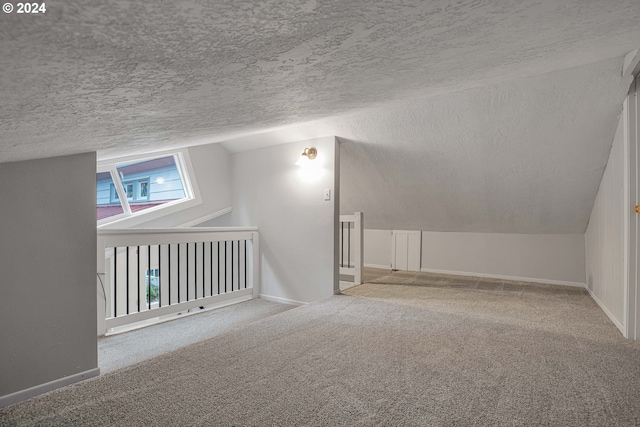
(543, 258)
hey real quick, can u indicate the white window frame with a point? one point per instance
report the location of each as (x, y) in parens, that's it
(131, 219)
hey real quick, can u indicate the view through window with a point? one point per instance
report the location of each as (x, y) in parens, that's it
(130, 188)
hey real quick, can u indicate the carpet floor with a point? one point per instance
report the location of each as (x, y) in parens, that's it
(407, 350)
(126, 349)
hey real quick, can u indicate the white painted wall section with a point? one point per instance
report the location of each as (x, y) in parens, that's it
(377, 248)
(547, 258)
(298, 228)
(605, 235)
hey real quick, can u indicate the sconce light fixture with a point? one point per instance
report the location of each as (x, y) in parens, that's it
(307, 155)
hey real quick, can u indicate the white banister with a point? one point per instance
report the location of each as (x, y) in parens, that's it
(151, 273)
(255, 263)
(352, 246)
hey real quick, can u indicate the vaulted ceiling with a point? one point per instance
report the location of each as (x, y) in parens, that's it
(467, 115)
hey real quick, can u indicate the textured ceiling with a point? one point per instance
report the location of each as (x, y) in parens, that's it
(478, 106)
(523, 156)
(128, 77)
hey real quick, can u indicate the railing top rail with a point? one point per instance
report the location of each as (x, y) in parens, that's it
(172, 231)
(148, 236)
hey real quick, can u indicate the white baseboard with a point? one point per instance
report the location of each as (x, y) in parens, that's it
(282, 300)
(604, 308)
(23, 395)
(497, 276)
(206, 217)
(383, 267)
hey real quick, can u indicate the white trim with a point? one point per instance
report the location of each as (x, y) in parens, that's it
(178, 315)
(137, 218)
(122, 240)
(172, 231)
(207, 217)
(604, 308)
(633, 233)
(188, 175)
(254, 265)
(515, 278)
(114, 322)
(282, 300)
(383, 267)
(28, 393)
(348, 267)
(348, 271)
(626, 203)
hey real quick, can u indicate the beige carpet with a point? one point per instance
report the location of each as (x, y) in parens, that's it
(462, 352)
(126, 349)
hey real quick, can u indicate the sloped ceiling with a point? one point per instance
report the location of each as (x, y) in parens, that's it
(470, 115)
(523, 156)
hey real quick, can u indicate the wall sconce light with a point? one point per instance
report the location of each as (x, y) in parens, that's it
(307, 155)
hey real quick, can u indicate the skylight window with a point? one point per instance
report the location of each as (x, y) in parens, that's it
(127, 189)
(107, 205)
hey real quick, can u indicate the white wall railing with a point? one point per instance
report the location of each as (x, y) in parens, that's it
(149, 273)
(351, 257)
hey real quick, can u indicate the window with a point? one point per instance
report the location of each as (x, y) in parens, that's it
(107, 205)
(129, 188)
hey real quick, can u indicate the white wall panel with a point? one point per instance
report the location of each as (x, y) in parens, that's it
(406, 250)
(551, 258)
(377, 248)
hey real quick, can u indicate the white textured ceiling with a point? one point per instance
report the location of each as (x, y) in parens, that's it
(480, 116)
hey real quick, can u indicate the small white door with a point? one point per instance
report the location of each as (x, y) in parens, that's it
(406, 250)
(401, 251)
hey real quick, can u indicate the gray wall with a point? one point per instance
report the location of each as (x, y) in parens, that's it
(47, 273)
(297, 226)
(548, 258)
(604, 238)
